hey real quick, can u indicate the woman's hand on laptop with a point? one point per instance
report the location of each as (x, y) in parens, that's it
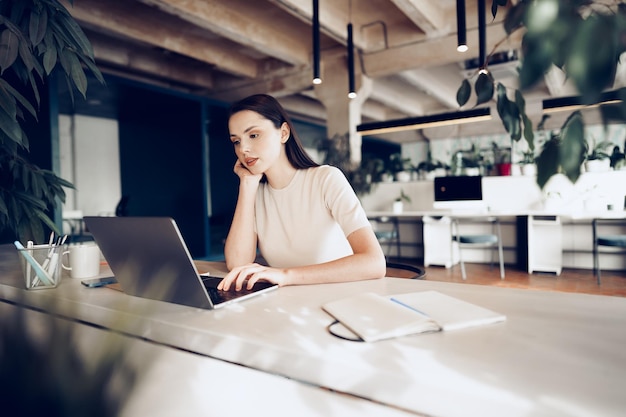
(249, 274)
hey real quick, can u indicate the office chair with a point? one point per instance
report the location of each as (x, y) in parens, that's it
(402, 270)
(387, 231)
(492, 240)
(616, 241)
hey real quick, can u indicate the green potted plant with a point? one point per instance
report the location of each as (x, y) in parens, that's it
(373, 168)
(398, 204)
(527, 163)
(502, 159)
(35, 36)
(400, 168)
(431, 168)
(618, 159)
(597, 157)
(467, 162)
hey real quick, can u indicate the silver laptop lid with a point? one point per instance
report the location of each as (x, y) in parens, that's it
(149, 258)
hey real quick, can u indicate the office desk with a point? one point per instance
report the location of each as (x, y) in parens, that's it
(534, 240)
(557, 354)
(171, 382)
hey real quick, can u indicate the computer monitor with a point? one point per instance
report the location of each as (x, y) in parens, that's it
(459, 193)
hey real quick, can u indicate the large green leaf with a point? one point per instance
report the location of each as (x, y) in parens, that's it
(18, 96)
(63, 56)
(33, 85)
(49, 59)
(508, 112)
(573, 146)
(548, 161)
(529, 134)
(3, 207)
(592, 63)
(514, 17)
(91, 65)
(541, 15)
(525, 122)
(484, 88)
(463, 93)
(77, 73)
(38, 25)
(9, 48)
(10, 127)
(7, 101)
(65, 26)
(537, 60)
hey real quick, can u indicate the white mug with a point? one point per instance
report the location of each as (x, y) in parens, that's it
(84, 260)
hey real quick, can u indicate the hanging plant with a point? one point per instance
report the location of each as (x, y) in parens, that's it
(584, 39)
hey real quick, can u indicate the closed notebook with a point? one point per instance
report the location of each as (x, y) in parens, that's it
(375, 317)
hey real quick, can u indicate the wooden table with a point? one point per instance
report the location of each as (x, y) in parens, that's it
(557, 353)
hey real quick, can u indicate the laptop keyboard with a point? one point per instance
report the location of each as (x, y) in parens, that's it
(219, 296)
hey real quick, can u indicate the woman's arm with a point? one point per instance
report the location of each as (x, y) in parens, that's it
(241, 242)
(367, 262)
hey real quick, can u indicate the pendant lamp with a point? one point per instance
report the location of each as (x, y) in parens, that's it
(317, 78)
(461, 30)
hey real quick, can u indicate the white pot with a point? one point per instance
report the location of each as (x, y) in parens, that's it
(437, 172)
(403, 176)
(398, 206)
(598, 165)
(472, 171)
(529, 169)
(386, 177)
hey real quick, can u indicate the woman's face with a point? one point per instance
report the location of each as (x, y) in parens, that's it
(258, 144)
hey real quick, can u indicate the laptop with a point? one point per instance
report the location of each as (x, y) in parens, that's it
(150, 259)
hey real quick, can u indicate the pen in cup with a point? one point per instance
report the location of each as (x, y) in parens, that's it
(50, 251)
(46, 262)
(29, 245)
(55, 255)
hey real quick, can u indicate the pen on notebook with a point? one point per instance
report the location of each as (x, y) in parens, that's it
(395, 300)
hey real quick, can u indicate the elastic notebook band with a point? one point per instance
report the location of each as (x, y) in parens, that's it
(339, 330)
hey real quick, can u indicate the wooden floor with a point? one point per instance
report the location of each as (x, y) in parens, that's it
(570, 280)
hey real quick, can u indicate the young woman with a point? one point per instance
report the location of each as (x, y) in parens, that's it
(306, 220)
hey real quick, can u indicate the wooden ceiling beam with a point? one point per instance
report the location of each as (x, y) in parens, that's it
(279, 83)
(243, 25)
(333, 16)
(434, 52)
(144, 24)
(427, 15)
(109, 52)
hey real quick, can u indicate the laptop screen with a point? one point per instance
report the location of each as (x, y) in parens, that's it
(462, 192)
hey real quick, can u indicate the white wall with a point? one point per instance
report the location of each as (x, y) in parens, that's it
(90, 160)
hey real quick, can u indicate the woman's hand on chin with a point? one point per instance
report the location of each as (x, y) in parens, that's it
(245, 174)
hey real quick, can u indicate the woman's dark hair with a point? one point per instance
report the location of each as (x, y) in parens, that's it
(268, 107)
